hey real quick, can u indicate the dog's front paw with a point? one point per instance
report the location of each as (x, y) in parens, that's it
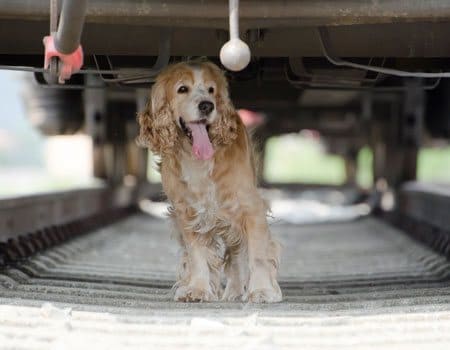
(232, 294)
(190, 294)
(272, 295)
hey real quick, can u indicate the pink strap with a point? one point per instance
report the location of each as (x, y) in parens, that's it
(70, 64)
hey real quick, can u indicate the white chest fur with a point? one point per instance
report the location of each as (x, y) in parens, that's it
(202, 193)
(196, 172)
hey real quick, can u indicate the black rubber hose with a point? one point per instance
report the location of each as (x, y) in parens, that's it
(70, 26)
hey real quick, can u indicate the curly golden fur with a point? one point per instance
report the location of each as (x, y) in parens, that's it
(219, 215)
(158, 131)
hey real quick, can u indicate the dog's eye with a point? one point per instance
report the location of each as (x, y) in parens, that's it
(211, 90)
(183, 89)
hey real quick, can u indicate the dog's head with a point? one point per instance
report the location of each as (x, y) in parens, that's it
(189, 106)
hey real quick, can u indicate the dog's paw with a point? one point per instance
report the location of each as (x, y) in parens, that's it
(232, 297)
(233, 293)
(260, 296)
(188, 294)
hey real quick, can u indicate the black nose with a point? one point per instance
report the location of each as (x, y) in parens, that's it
(206, 107)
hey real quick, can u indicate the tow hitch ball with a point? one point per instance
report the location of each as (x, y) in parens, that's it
(234, 54)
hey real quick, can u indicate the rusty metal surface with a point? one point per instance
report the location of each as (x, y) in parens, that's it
(424, 39)
(213, 13)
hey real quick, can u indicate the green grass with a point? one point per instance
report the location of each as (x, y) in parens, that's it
(434, 164)
(364, 175)
(292, 158)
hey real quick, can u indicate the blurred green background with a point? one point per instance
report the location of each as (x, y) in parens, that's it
(293, 158)
(290, 158)
(296, 159)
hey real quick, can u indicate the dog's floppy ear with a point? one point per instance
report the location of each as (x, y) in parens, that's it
(225, 130)
(157, 127)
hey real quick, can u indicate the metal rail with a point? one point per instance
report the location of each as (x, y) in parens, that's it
(33, 223)
(423, 212)
(426, 202)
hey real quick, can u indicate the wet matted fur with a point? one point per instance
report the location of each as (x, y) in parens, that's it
(210, 182)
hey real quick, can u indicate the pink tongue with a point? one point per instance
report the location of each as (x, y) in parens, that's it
(201, 147)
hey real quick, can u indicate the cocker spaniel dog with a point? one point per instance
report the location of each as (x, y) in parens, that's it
(208, 175)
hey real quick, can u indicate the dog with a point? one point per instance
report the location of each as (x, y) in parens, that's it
(208, 174)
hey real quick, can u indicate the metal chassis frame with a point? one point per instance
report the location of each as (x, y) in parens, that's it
(423, 212)
(33, 223)
(253, 13)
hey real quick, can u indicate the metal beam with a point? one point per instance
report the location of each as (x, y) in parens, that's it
(429, 203)
(422, 212)
(253, 13)
(24, 37)
(22, 215)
